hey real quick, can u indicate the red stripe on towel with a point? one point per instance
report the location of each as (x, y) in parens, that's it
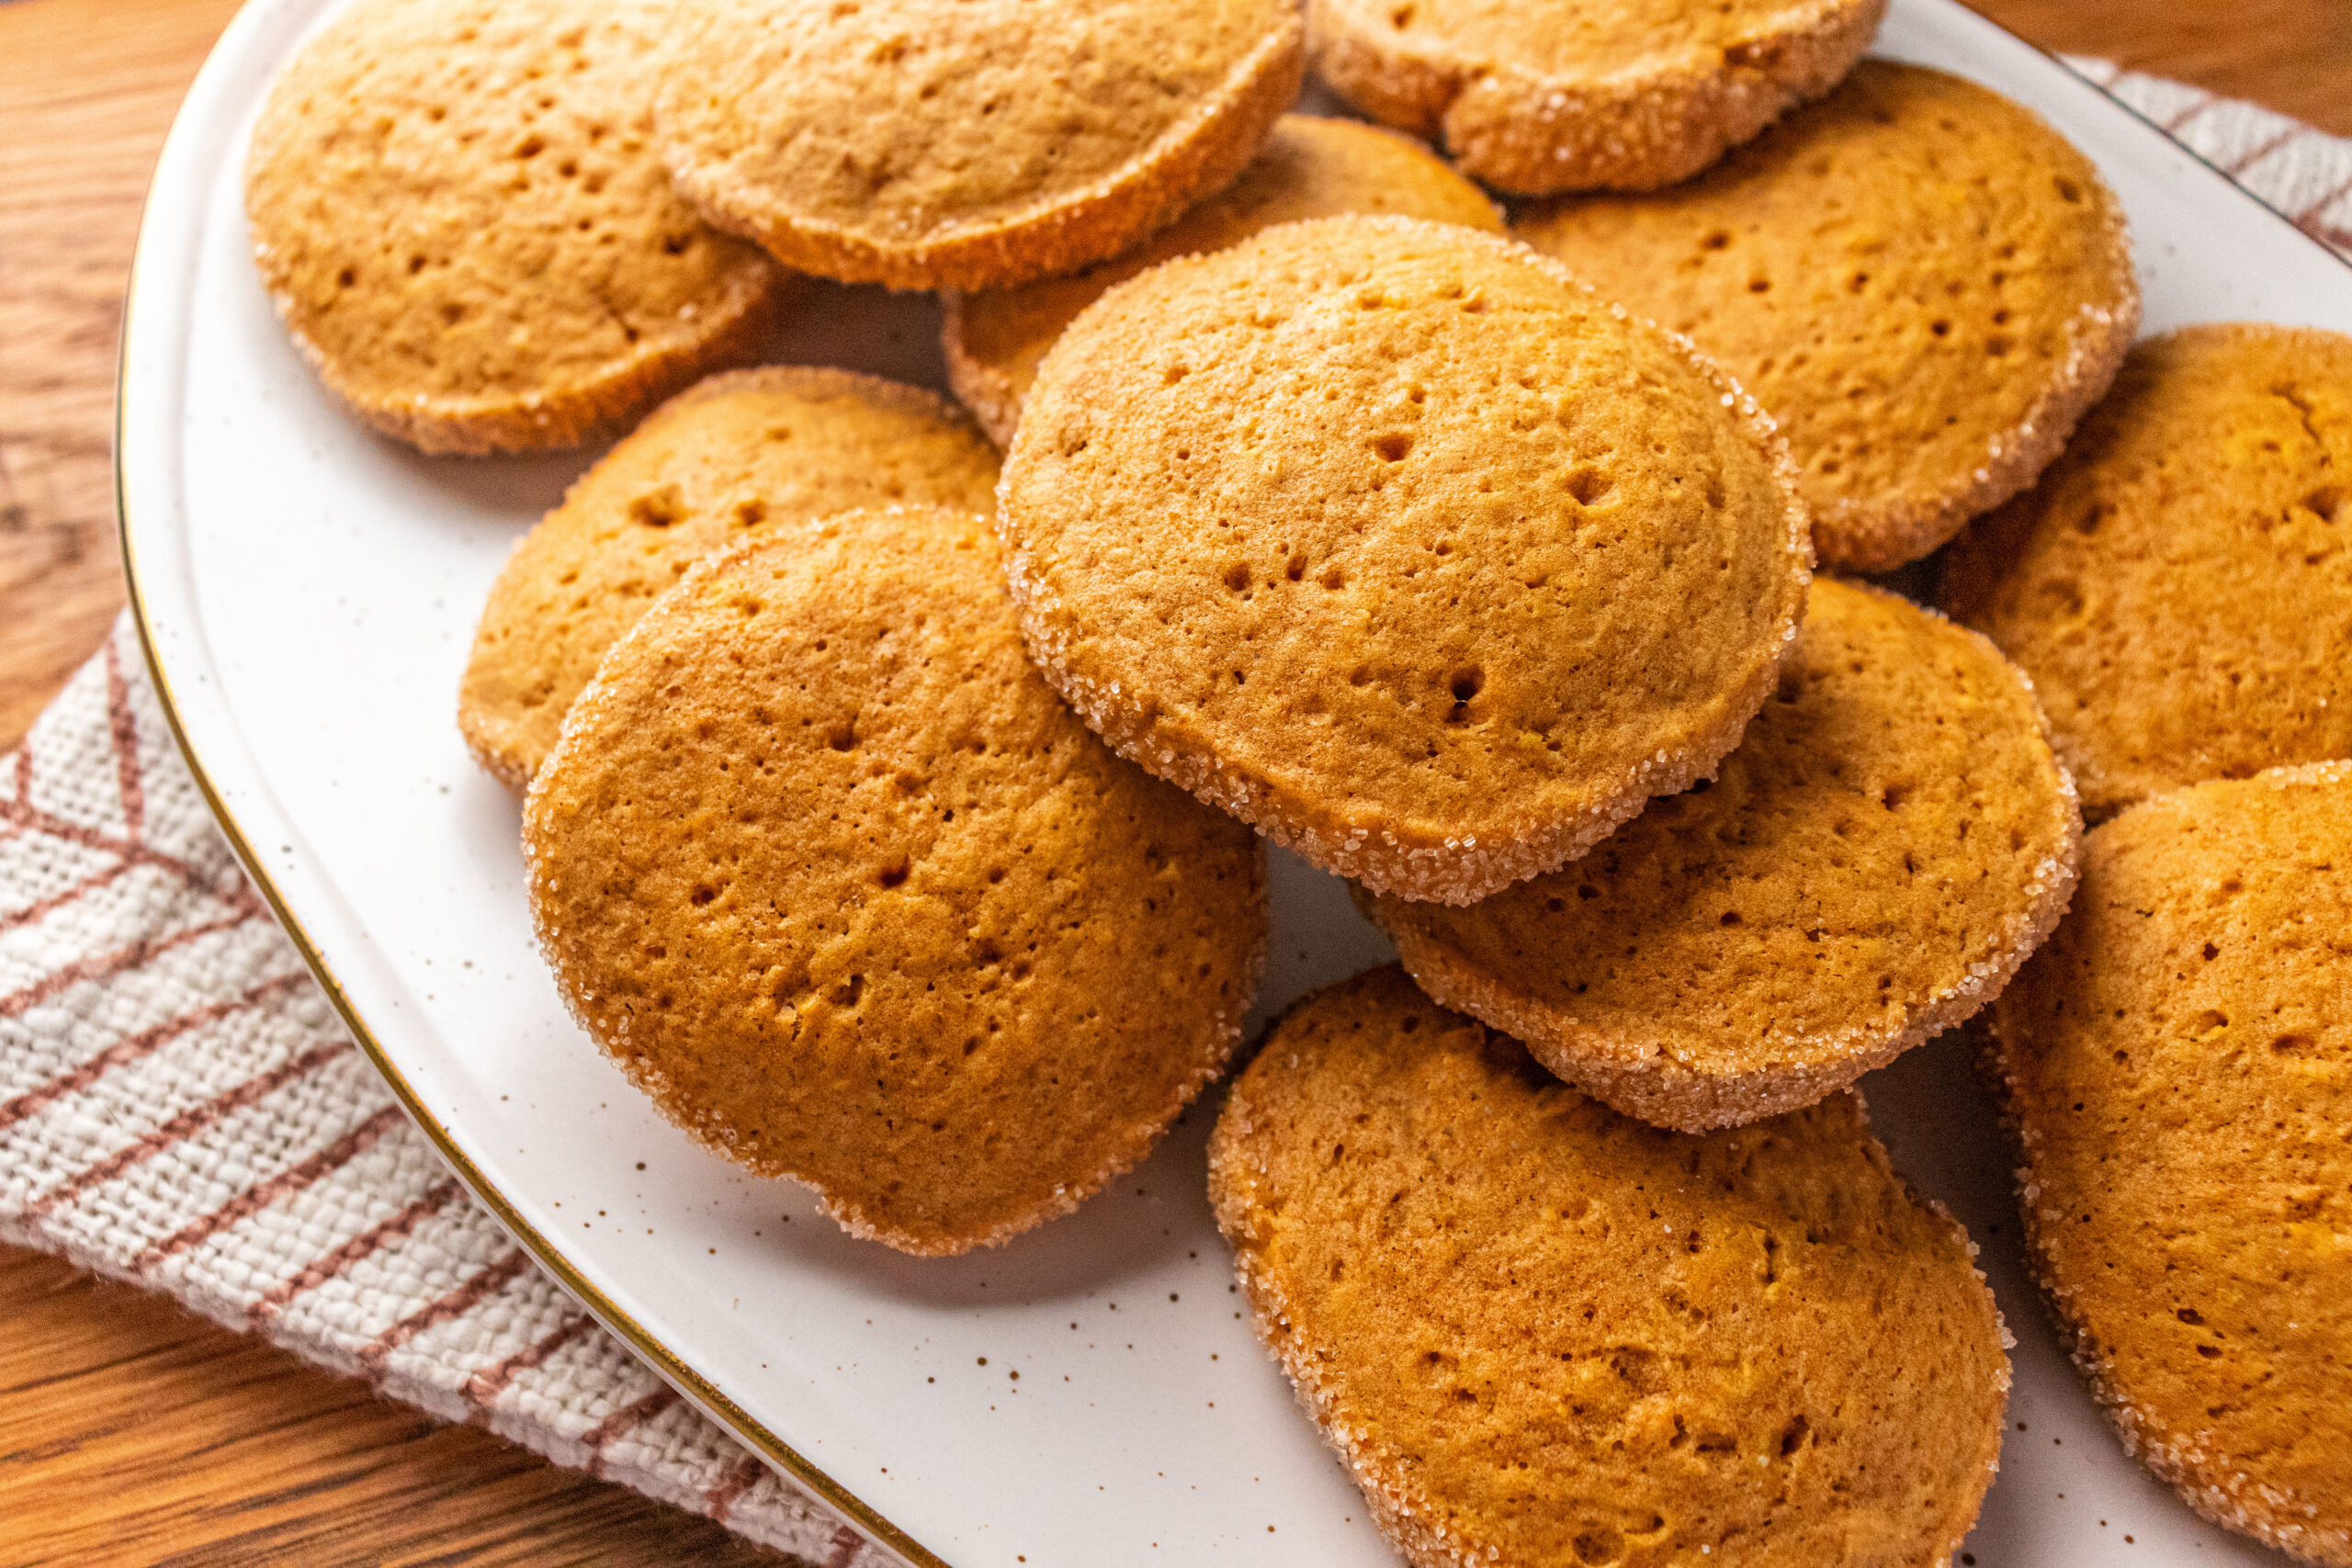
(433, 1198)
(124, 725)
(625, 1420)
(259, 1196)
(486, 1385)
(106, 966)
(187, 1124)
(462, 1299)
(126, 1051)
(720, 1500)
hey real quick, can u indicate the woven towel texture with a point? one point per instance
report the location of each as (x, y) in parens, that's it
(180, 1107)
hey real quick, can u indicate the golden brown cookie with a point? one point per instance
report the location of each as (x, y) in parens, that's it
(1924, 283)
(742, 453)
(1389, 537)
(966, 143)
(2179, 585)
(1309, 168)
(455, 206)
(841, 884)
(1889, 841)
(1538, 1332)
(1579, 94)
(2178, 1061)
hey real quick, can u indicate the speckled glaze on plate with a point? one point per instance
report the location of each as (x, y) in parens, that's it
(308, 592)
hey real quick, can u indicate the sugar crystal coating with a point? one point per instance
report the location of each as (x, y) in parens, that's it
(1923, 283)
(1392, 539)
(838, 881)
(2177, 1062)
(458, 209)
(1538, 1331)
(746, 453)
(1889, 841)
(1576, 95)
(965, 143)
(2177, 584)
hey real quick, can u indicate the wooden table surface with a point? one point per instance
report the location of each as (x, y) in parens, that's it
(131, 1432)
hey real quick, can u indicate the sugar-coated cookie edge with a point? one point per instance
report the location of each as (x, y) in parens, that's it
(983, 389)
(729, 330)
(1401, 1512)
(1636, 1078)
(990, 393)
(1883, 536)
(597, 409)
(1969, 580)
(844, 1212)
(1531, 133)
(495, 754)
(1884, 533)
(2173, 1458)
(1449, 870)
(1203, 152)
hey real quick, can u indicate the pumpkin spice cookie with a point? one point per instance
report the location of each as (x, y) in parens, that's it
(966, 143)
(2178, 1064)
(1309, 168)
(1575, 95)
(1389, 537)
(742, 453)
(1890, 840)
(2177, 584)
(456, 208)
(841, 884)
(1923, 284)
(1538, 1332)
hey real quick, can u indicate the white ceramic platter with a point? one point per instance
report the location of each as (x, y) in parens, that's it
(309, 594)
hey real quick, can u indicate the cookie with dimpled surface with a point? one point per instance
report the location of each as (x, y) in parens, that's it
(747, 451)
(1922, 282)
(836, 879)
(1576, 95)
(1889, 841)
(1391, 538)
(1310, 167)
(966, 143)
(458, 210)
(2177, 586)
(2177, 1062)
(1538, 1331)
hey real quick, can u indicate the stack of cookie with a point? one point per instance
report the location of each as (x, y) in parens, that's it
(889, 816)
(2177, 1064)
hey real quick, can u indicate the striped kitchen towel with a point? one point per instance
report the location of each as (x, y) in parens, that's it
(179, 1106)
(2300, 172)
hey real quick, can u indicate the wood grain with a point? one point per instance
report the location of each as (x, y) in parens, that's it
(2294, 56)
(86, 92)
(130, 1431)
